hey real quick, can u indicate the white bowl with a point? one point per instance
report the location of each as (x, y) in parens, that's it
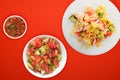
(57, 70)
(13, 17)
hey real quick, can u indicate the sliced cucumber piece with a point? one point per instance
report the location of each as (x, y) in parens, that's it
(72, 18)
(43, 72)
(48, 61)
(45, 40)
(111, 28)
(100, 15)
(59, 57)
(43, 50)
(38, 67)
(82, 33)
(29, 66)
(52, 67)
(37, 52)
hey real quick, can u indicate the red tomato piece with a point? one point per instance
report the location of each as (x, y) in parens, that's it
(109, 33)
(47, 52)
(28, 52)
(33, 64)
(56, 62)
(32, 58)
(38, 42)
(45, 58)
(52, 45)
(77, 33)
(38, 59)
(49, 71)
(32, 50)
(89, 13)
(44, 66)
(54, 53)
(33, 43)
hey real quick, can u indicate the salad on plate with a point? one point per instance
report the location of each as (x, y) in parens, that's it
(92, 26)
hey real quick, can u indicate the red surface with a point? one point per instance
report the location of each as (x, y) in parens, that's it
(45, 17)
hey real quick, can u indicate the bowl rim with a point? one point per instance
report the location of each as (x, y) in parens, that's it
(61, 66)
(12, 17)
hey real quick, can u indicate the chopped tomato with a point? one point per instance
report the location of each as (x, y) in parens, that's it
(89, 13)
(33, 43)
(28, 52)
(109, 33)
(49, 71)
(52, 45)
(54, 53)
(44, 66)
(32, 50)
(38, 42)
(34, 64)
(47, 52)
(45, 58)
(56, 62)
(38, 58)
(77, 33)
(97, 40)
(32, 58)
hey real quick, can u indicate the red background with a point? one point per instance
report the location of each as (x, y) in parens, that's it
(45, 17)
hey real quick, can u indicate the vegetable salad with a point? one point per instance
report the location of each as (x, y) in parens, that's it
(44, 55)
(93, 26)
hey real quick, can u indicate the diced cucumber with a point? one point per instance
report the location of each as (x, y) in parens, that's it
(95, 25)
(40, 48)
(96, 31)
(52, 67)
(72, 18)
(43, 49)
(111, 28)
(100, 15)
(88, 44)
(43, 72)
(11, 27)
(59, 57)
(28, 58)
(38, 67)
(37, 52)
(48, 61)
(45, 40)
(100, 36)
(82, 33)
(29, 66)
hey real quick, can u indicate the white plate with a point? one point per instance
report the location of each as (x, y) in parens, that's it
(61, 64)
(12, 16)
(67, 25)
